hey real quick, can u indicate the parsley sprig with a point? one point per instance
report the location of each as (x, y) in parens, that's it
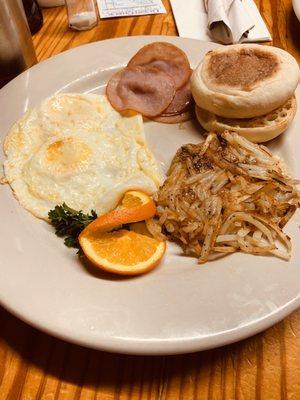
(69, 223)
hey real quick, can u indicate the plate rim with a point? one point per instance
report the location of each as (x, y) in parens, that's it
(296, 7)
(169, 346)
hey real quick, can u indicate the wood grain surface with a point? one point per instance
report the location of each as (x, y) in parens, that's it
(34, 365)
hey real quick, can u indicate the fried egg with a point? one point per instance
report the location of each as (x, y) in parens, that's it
(75, 148)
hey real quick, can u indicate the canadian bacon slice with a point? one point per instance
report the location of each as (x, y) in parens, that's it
(174, 118)
(144, 89)
(182, 101)
(181, 108)
(167, 58)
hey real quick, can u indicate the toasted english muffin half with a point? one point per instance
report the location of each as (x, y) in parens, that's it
(244, 80)
(257, 129)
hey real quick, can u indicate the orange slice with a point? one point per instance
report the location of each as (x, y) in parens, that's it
(122, 252)
(140, 227)
(135, 206)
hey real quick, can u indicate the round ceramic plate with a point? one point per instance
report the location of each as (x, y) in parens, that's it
(178, 307)
(296, 7)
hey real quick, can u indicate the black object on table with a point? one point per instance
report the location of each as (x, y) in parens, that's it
(34, 15)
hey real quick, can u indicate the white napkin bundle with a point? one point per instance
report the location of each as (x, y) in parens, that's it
(225, 21)
(228, 20)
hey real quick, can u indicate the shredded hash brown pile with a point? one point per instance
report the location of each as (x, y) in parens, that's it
(226, 195)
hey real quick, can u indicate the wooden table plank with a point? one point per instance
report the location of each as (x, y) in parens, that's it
(34, 365)
(55, 36)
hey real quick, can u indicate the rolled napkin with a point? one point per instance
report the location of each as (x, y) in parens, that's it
(225, 21)
(228, 20)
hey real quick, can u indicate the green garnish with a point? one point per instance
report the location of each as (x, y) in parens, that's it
(69, 223)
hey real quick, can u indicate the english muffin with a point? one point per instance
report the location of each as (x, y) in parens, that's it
(256, 129)
(244, 80)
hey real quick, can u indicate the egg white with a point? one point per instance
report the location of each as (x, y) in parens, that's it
(75, 148)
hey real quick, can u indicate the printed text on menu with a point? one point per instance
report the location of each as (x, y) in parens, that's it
(124, 8)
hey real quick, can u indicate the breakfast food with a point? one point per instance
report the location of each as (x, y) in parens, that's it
(142, 89)
(122, 252)
(256, 129)
(104, 239)
(179, 110)
(246, 81)
(223, 195)
(86, 168)
(76, 149)
(155, 83)
(167, 58)
(175, 118)
(134, 207)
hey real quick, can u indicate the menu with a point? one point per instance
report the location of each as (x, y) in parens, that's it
(126, 8)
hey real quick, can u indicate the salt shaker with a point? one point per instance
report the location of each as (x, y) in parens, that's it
(16, 47)
(82, 14)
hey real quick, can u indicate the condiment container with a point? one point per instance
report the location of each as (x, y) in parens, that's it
(82, 15)
(16, 47)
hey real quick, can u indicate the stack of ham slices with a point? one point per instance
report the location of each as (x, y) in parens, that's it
(155, 83)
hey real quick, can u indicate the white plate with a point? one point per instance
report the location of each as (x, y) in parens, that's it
(296, 7)
(178, 307)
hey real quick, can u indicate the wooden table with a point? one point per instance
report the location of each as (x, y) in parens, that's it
(34, 365)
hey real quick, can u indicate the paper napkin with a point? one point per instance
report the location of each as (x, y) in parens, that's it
(225, 21)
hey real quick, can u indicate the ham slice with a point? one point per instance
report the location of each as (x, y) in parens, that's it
(175, 118)
(182, 101)
(144, 89)
(155, 83)
(180, 109)
(167, 58)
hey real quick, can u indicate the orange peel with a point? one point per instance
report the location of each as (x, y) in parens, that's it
(135, 206)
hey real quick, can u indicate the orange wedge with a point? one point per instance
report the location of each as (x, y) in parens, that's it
(122, 252)
(140, 227)
(135, 206)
